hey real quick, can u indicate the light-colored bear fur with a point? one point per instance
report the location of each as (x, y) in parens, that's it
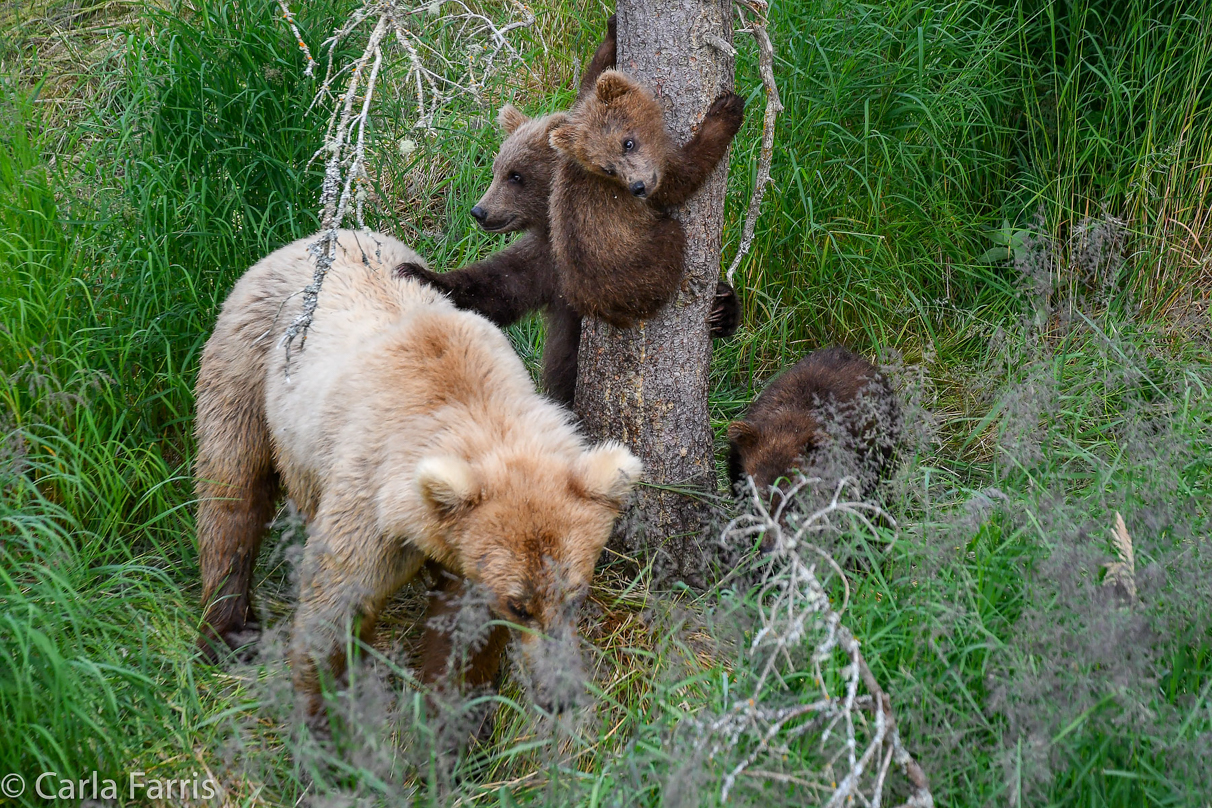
(404, 430)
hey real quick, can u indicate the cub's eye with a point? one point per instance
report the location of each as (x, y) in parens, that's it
(628, 144)
(515, 178)
(519, 611)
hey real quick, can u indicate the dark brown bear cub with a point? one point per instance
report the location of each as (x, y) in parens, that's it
(619, 253)
(832, 411)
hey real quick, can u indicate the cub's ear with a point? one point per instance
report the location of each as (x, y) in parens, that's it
(510, 118)
(562, 135)
(556, 119)
(743, 434)
(608, 471)
(612, 85)
(448, 485)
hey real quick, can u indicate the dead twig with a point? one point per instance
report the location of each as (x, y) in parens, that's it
(436, 79)
(758, 13)
(795, 612)
(294, 29)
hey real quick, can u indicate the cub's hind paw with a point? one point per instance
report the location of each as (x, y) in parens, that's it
(725, 315)
(730, 107)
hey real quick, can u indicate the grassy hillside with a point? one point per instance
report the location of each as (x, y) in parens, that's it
(1007, 203)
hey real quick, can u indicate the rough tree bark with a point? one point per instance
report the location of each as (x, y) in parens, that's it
(648, 386)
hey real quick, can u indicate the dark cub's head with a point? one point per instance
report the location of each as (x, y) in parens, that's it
(521, 174)
(831, 415)
(617, 132)
(774, 448)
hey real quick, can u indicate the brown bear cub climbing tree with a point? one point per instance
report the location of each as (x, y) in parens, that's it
(511, 283)
(831, 408)
(407, 432)
(619, 252)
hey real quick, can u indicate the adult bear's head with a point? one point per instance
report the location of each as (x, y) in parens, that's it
(528, 527)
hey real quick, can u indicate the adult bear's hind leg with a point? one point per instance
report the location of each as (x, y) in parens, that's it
(237, 490)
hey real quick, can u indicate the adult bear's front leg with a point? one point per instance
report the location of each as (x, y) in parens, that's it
(348, 576)
(459, 655)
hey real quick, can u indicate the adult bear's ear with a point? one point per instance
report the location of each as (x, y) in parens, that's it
(448, 485)
(562, 135)
(608, 471)
(612, 85)
(743, 434)
(510, 118)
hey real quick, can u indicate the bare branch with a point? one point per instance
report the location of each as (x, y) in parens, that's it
(795, 612)
(346, 179)
(294, 29)
(758, 12)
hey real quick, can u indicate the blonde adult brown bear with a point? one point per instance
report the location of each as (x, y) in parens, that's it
(406, 431)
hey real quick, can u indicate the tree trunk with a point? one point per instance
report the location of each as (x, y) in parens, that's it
(647, 386)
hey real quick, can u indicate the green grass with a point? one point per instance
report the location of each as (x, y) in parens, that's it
(1065, 385)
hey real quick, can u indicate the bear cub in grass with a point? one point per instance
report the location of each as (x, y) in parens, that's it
(511, 283)
(832, 412)
(407, 432)
(619, 253)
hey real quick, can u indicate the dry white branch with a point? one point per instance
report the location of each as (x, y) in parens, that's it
(795, 613)
(294, 29)
(436, 78)
(758, 12)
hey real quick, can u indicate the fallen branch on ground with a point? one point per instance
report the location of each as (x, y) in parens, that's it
(795, 613)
